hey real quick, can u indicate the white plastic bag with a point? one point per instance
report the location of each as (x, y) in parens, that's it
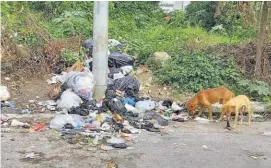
(61, 119)
(68, 100)
(82, 83)
(126, 69)
(145, 105)
(4, 94)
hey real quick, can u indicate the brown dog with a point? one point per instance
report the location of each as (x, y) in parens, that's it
(236, 104)
(206, 98)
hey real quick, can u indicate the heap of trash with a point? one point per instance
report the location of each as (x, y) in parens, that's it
(115, 120)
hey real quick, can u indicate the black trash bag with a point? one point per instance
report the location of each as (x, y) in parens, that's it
(115, 106)
(152, 115)
(167, 103)
(88, 44)
(117, 60)
(84, 108)
(129, 84)
(57, 70)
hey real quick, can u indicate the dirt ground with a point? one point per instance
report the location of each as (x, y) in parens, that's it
(179, 145)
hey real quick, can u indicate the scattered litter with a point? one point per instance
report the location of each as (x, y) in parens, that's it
(267, 134)
(176, 107)
(32, 101)
(106, 148)
(4, 118)
(38, 127)
(202, 120)
(115, 140)
(16, 123)
(4, 93)
(145, 105)
(204, 147)
(30, 155)
(120, 145)
(7, 78)
(254, 157)
(61, 119)
(25, 111)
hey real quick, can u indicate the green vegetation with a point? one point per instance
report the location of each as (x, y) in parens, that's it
(144, 26)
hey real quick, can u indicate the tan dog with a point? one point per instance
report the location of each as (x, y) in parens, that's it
(206, 98)
(236, 104)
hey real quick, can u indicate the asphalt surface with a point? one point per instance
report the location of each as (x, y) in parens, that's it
(179, 145)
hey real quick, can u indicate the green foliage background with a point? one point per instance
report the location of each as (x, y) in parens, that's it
(144, 26)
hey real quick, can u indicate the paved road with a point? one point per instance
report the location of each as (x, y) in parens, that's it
(180, 145)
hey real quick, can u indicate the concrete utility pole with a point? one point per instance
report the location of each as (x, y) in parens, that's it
(100, 47)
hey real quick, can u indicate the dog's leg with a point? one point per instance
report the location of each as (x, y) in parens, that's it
(202, 108)
(236, 117)
(249, 114)
(210, 117)
(221, 116)
(242, 116)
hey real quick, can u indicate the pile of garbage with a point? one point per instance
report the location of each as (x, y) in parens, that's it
(119, 116)
(112, 122)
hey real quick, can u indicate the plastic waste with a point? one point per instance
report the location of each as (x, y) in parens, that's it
(115, 140)
(167, 103)
(68, 100)
(179, 117)
(145, 105)
(105, 126)
(38, 127)
(16, 123)
(30, 155)
(267, 133)
(126, 69)
(152, 115)
(129, 84)
(57, 78)
(106, 148)
(113, 43)
(129, 100)
(202, 120)
(82, 83)
(136, 112)
(176, 107)
(118, 60)
(120, 145)
(115, 106)
(4, 93)
(25, 111)
(160, 105)
(118, 75)
(61, 119)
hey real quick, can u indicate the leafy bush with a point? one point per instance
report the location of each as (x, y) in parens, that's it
(257, 90)
(70, 57)
(195, 71)
(201, 13)
(71, 23)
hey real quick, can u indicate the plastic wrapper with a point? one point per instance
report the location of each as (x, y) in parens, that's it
(61, 119)
(68, 100)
